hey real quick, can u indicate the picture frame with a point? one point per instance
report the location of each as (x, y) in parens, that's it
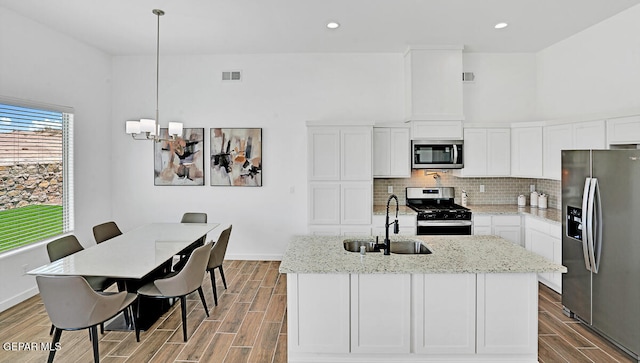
(179, 162)
(236, 156)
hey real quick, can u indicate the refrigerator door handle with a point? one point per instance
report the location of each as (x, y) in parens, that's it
(595, 242)
(586, 223)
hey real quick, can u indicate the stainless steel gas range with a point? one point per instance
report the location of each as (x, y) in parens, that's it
(437, 212)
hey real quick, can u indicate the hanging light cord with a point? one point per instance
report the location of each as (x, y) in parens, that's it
(159, 13)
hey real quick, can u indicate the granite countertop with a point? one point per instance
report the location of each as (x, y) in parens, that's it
(451, 254)
(402, 210)
(553, 215)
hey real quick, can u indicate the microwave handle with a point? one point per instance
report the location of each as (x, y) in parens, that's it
(455, 154)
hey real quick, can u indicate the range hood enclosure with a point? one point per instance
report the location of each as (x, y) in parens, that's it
(433, 83)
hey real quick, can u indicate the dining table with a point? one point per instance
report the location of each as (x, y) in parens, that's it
(135, 257)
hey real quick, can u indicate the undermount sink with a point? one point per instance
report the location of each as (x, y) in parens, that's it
(353, 245)
(402, 247)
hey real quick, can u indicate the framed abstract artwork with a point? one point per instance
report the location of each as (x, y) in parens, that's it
(236, 157)
(179, 161)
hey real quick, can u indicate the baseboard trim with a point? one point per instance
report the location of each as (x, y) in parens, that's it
(16, 299)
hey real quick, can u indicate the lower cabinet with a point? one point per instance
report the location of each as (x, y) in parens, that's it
(545, 239)
(380, 313)
(505, 226)
(444, 300)
(459, 317)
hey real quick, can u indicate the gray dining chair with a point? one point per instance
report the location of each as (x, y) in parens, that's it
(216, 259)
(180, 284)
(191, 217)
(72, 304)
(106, 231)
(68, 245)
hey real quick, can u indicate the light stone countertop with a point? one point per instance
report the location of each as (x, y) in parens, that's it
(451, 254)
(549, 214)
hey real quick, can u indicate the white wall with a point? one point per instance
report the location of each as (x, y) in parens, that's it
(594, 72)
(504, 89)
(278, 93)
(40, 65)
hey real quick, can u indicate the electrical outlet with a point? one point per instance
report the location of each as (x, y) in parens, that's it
(532, 188)
(390, 189)
(25, 269)
(481, 188)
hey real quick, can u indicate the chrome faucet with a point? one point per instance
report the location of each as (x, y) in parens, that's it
(396, 227)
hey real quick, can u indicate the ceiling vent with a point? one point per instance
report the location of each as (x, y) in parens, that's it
(468, 76)
(231, 76)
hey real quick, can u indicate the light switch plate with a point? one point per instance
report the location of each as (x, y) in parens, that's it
(481, 188)
(390, 189)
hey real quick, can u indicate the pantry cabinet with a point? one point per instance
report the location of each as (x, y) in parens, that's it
(340, 188)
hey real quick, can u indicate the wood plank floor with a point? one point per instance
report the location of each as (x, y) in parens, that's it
(249, 325)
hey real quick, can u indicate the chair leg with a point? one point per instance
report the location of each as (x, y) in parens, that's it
(204, 303)
(183, 305)
(222, 274)
(137, 316)
(54, 342)
(52, 329)
(96, 352)
(134, 321)
(213, 286)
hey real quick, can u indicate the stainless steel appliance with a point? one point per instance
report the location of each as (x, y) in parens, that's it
(601, 242)
(437, 154)
(437, 213)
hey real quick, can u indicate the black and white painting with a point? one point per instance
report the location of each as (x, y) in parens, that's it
(236, 157)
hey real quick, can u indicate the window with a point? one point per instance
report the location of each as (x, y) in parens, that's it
(36, 172)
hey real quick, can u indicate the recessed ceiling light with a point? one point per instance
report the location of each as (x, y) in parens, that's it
(501, 25)
(333, 25)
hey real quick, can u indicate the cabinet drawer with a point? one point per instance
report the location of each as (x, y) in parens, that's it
(481, 220)
(506, 220)
(538, 225)
(555, 230)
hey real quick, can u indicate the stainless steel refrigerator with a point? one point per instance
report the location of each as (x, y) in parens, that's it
(601, 242)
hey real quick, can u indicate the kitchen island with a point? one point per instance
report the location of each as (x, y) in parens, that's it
(474, 298)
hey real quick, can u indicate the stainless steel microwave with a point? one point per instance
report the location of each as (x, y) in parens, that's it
(437, 154)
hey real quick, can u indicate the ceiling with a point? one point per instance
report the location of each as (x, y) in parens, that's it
(128, 27)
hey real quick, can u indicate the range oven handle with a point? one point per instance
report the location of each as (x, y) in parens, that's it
(444, 223)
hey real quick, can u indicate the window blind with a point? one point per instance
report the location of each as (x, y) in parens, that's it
(36, 169)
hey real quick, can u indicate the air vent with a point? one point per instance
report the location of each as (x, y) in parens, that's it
(231, 76)
(468, 76)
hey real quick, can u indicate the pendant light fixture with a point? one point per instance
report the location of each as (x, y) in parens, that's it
(148, 128)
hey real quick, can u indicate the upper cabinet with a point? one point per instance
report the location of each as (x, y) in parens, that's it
(433, 83)
(340, 153)
(391, 152)
(623, 130)
(573, 136)
(487, 152)
(526, 151)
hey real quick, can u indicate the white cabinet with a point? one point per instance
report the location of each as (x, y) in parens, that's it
(487, 152)
(556, 138)
(318, 311)
(506, 301)
(444, 300)
(433, 83)
(407, 224)
(623, 130)
(436, 130)
(579, 135)
(545, 239)
(391, 152)
(380, 313)
(526, 151)
(339, 153)
(505, 226)
(340, 178)
(589, 135)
